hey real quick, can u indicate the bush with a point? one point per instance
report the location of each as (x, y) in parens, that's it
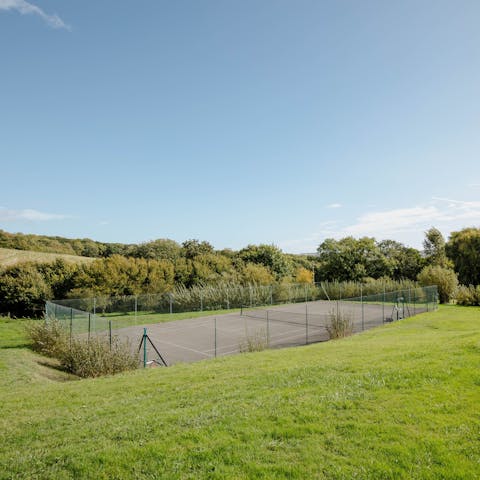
(94, 357)
(48, 338)
(340, 324)
(444, 278)
(82, 357)
(254, 342)
(468, 295)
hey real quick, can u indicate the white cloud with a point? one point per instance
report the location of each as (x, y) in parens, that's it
(334, 205)
(26, 8)
(9, 215)
(407, 225)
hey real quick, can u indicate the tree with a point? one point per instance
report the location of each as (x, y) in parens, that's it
(255, 274)
(444, 278)
(269, 256)
(406, 262)
(23, 291)
(193, 248)
(161, 249)
(352, 259)
(463, 248)
(434, 248)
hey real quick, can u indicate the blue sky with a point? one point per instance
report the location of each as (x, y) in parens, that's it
(239, 122)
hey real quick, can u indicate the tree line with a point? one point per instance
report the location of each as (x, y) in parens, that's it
(162, 265)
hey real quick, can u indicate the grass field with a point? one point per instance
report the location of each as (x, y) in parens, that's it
(399, 401)
(10, 256)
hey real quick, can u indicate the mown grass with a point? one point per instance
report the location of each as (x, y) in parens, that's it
(11, 256)
(399, 401)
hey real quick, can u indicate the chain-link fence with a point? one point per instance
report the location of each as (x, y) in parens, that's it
(256, 324)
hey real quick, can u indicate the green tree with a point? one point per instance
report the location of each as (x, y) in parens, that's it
(463, 248)
(406, 262)
(193, 248)
(23, 291)
(352, 259)
(270, 256)
(444, 278)
(434, 248)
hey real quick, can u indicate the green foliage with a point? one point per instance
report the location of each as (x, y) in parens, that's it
(161, 249)
(463, 248)
(340, 324)
(468, 296)
(434, 249)
(256, 274)
(82, 357)
(269, 256)
(406, 262)
(444, 278)
(96, 357)
(48, 338)
(352, 259)
(23, 291)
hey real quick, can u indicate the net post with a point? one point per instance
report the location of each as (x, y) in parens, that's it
(144, 348)
(110, 333)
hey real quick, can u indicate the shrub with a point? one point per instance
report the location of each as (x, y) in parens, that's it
(95, 357)
(82, 357)
(468, 295)
(48, 338)
(444, 278)
(254, 342)
(340, 324)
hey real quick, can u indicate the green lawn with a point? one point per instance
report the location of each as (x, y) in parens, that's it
(398, 402)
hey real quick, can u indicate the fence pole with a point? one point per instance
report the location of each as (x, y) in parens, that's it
(306, 323)
(136, 308)
(268, 331)
(71, 325)
(144, 348)
(228, 301)
(171, 302)
(363, 312)
(89, 322)
(215, 336)
(383, 305)
(94, 305)
(110, 333)
(414, 306)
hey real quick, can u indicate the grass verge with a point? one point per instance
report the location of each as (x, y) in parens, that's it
(396, 402)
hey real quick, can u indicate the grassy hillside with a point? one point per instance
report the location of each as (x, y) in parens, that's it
(400, 401)
(10, 256)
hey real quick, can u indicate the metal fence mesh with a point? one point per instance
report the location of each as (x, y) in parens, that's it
(256, 324)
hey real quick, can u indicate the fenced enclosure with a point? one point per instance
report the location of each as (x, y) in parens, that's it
(234, 325)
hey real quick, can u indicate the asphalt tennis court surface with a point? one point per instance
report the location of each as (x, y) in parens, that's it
(200, 338)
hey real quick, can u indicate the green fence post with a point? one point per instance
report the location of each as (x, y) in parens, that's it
(144, 348)
(215, 336)
(306, 324)
(71, 325)
(414, 306)
(363, 312)
(170, 296)
(89, 325)
(383, 305)
(136, 309)
(271, 294)
(268, 331)
(110, 333)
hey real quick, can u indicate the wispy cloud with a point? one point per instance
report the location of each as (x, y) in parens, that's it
(407, 225)
(26, 8)
(9, 215)
(334, 205)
